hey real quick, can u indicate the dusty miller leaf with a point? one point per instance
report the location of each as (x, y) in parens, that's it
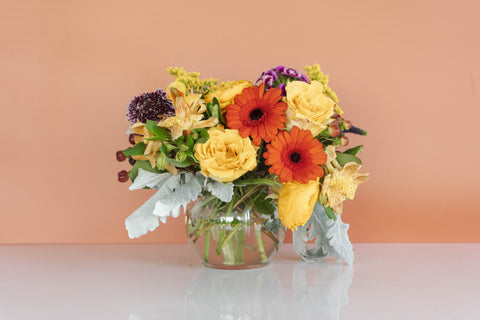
(143, 220)
(223, 191)
(174, 191)
(331, 236)
(149, 179)
(177, 191)
(337, 235)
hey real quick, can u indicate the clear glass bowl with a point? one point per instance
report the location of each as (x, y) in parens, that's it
(228, 236)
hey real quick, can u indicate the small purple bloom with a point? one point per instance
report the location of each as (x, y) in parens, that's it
(281, 86)
(292, 73)
(150, 106)
(268, 81)
(280, 69)
(273, 74)
(304, 78)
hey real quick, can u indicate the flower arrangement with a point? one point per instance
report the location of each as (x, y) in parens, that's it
(276, 147)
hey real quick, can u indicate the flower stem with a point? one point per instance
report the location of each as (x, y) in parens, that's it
(221, 240)
(207, 245)
(261, 249)
(262, 181)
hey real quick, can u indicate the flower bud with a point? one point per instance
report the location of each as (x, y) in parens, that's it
(181, 156)
(170, 147)
(347, 124)
(322, 198)
(334, 130)
(343, 141)
(162, 162)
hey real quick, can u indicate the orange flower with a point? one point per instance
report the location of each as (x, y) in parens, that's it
(295, 156)
(257, 113)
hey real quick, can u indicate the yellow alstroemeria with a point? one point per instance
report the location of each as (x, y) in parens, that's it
(189, 98)
(296, 202)
(152, 146)
(341, 184)
(188, 116)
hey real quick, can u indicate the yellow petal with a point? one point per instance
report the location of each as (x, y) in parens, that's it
(296, 202)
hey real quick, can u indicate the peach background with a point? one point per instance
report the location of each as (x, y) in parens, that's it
(405, 70)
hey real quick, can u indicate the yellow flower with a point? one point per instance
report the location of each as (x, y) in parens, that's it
(227, 92)
(189, 98)
(341, 185)
(188, 116)
(152, 146)
(296, 202)
(226, 155)
(309, 107)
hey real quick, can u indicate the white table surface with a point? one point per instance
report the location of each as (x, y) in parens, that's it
(145, 282)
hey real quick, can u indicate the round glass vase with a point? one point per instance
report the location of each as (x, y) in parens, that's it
(232, 235)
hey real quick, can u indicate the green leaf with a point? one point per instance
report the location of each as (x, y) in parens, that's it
(344, 158)
(209, 109)
(354, 151)
(204, 136)
(189, 142)
(215, 101)
(180, 164)
(263, 206)
(145, 165)
(163, 149)
(180, 140)
(330, 213)
(160, 133)
(272, 225)
(136, 150)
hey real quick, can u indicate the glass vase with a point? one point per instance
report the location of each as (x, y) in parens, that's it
(232, 235)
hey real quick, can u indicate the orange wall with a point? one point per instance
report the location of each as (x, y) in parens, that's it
(408, 71)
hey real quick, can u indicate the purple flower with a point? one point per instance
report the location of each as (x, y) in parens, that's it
(149, 106)
(292, 73)
(280, 69)
(272, 74)
(268, 81)
(278, 77)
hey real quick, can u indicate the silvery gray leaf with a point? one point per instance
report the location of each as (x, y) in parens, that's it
(331, 237)
(149, 179)
(143, 220)
(223, 191)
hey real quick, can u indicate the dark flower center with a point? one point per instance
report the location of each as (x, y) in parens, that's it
(295, 157)
(256, 114)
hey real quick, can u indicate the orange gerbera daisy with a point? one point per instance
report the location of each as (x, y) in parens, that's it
(295, 156)
(257, 113)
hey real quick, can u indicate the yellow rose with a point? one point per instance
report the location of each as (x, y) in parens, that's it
(296, 202)
(227, 92)
(309, 107)
(226, 155)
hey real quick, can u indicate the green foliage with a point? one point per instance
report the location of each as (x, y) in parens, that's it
(158, 132)
(330, 213)
(272, 225)
(354, 151)
(204, 136)
(136, 150)
(264, 206)
(145, 165)
(344, 158)
(181, 164)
